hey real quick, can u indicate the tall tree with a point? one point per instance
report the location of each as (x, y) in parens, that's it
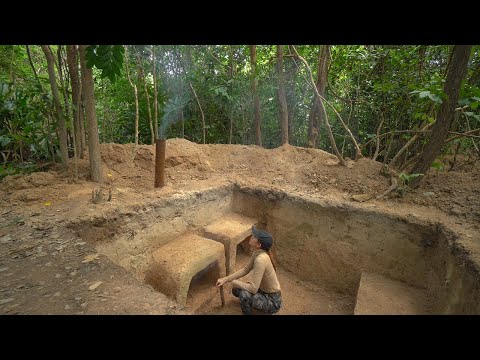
(141, 75)
(456, 71)
(321, 99)
(63, 82)
(155, 104)
(92, 125)
(33, 68)
(256, 101)
(231, 72)
(290, 81)
(62, 129)
(201, 111)
(315, 116)
(72, 62)
(282, 100)
(135, 92)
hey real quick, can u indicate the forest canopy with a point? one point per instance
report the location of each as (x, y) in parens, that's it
(379, 101)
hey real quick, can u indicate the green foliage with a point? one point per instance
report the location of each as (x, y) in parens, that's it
(108, 58)
(23, 131)
(406, 178)
(437, 165)
(404, 182)
(426, 93)
(366, 83)
(13, 169)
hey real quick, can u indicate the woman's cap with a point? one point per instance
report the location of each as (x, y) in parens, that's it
(264, 238)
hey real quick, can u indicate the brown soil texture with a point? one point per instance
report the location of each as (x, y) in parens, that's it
(45, 270)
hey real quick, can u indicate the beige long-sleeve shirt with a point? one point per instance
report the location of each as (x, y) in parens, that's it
(263, 276)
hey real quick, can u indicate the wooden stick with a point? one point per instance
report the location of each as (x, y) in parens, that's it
(222, 296)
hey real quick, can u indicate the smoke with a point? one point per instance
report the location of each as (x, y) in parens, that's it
(173, 72)
(172, 111)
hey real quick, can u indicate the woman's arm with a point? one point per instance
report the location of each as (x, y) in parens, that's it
(257, 275)
(236, 275)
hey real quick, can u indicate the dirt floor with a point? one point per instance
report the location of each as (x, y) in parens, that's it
(44, 269)
(299, 298)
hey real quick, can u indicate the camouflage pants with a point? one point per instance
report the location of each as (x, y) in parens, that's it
(269, 303)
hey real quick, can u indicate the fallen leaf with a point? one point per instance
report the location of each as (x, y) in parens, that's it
(109, 175)
(47, 203)
(94, 286)
(90, 258)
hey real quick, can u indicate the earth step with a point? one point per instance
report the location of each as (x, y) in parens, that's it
(178, 262)
(230, 230)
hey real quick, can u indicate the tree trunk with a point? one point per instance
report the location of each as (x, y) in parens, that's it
(189, 56)
(282, 99)
(406, 146)
(321, 99)
(81, 118)
(256, 101)
(62, 129)
(92, 126)
(71, 114)
(33, 68)
(141, 74)
(183, 124)
(456, 73)
(230, 135)
(317, 110)
(421, 61)
(104, 127)
(203, 116)
(135, 91)
(64, 84)
(49, 139)
(11, 66)
(354, 124)
(155, 104)
(72, 62)
(290, 93)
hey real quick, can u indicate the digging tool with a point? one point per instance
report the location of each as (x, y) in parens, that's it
(222, 296)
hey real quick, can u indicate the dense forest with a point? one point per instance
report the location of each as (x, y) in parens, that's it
(405, 106)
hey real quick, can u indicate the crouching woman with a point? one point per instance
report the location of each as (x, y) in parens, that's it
(263, 291)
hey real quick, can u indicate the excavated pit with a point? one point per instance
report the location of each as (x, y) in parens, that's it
(333, 258)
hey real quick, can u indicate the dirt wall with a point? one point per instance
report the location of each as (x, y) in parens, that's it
(333, 244)
(454, 280)
(131, 238)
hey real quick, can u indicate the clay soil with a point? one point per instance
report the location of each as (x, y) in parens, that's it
(45, 269)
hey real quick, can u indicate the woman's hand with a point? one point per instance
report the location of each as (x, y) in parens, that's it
(221, 282)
